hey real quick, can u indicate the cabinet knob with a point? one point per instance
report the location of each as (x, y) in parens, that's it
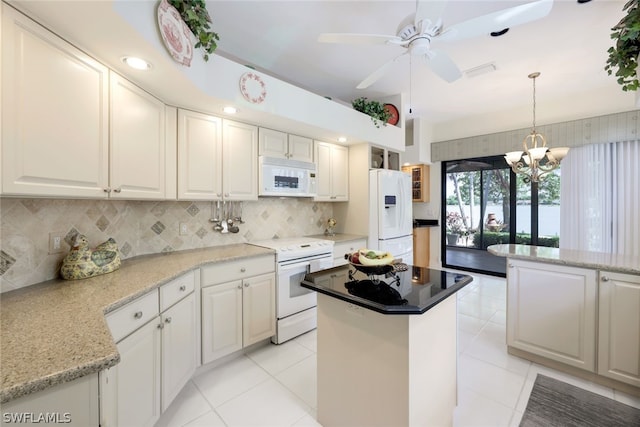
(106, 190)
(183, 288)
(239, 286)
(160, 326)
(117, 190)
(242, 270)
(226, 194)
(246, 285)
(167, 320)
(137, 315)
(604, 279)
(510, 265)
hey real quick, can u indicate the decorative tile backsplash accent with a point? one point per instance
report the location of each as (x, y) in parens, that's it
(139, 228)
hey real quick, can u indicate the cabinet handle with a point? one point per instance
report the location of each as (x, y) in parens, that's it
(183, 288)
(137, 315)
(242, 270)
(605, 279)
(106, 190)
(117, 190)
(167, 320)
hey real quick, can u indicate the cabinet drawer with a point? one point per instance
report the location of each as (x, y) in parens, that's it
(130, 317)
(342, 248)
(222, 272)
(176, 289)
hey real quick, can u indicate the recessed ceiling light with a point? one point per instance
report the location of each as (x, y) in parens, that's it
(499, 33)
(230, 110)
(136, 63)
(342, 139)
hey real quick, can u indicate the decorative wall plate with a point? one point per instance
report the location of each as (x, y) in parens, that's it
(253, 88)
(175, 33)
(395, 115)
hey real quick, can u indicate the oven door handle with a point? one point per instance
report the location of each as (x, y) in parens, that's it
(295, 266)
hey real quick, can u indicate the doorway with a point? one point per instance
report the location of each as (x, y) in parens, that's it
(485, 203)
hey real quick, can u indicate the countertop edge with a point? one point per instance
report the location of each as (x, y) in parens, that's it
(568, 258)
(111, 356)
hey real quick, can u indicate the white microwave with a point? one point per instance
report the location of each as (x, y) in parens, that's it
(289, 178)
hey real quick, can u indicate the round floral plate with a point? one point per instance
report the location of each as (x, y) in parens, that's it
(253, 88)
(175, 33)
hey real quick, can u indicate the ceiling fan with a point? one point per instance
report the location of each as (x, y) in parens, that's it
(416, 32)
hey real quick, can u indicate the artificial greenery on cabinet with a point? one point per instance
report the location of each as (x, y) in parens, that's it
(623, 55)
(194, 14)
(374, 109)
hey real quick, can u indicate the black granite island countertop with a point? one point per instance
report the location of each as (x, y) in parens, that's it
(413, 291)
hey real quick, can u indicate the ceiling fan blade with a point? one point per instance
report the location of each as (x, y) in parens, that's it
(377, 74)
(430, 10)
(497, 21)
(442, 65)
(350, 38)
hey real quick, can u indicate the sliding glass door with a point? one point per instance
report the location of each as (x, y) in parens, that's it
(485, 203)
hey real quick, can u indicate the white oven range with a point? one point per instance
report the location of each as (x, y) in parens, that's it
(296, 306)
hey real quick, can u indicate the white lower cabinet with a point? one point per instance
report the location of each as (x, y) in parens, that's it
(619, 327)
(74, 403)
(157, 358)
(237, 313)
(551, 312)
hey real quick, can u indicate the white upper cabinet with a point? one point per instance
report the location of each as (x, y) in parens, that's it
(273, 143)
(55, 114)
(240, 161)
(137, 142)
(333, 174)
(217, 159)
(73, 129)
(199, 156)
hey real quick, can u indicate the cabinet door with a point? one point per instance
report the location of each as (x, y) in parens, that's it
(323, 176)
(619, 327)
(421, 247)
(130, 391)
(272, 143)
(137, 144)
(240, 161)
(221, 320)
(259, 308)
(55, 114)
(300, 148)
(551, 312)
(179, 348)
(199, 156)
(339, 173)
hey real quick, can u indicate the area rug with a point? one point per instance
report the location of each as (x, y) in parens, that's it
(555, 403)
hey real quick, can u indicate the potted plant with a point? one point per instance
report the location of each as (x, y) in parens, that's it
(623, 56)
(454, 226)
(194, 14)
(374, 109)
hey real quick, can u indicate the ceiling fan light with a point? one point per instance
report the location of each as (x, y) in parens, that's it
(538, 153)
(559, 153)
(513, 157)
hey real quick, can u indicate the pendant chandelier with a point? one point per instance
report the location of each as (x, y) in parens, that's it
(537, 160)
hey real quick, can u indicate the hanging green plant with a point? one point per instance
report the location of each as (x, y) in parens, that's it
(374, 109)
(194, 14)
(623, 56)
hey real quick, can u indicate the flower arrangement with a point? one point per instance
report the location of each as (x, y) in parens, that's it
(194, 14)
(454, 223)
(374, 109)
(623, 56)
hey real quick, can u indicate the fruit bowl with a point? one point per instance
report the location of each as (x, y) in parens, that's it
(373, 269)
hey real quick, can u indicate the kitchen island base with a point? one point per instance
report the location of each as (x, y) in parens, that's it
(382, 370)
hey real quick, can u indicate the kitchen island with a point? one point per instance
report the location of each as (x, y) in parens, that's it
(386, 346)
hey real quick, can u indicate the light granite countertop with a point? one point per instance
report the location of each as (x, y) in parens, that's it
(339, 237)
(594, 260)
(56, 331)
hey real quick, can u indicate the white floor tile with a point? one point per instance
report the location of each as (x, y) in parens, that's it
(270, 403)
(475, 410)
(307, 421)
(309, 340)
(210, 419)
(188, 405)
(495, 353)
(276, 358)
(470, 324)
(302, 380)
(230, 380)
(497, 384)
(475, 308)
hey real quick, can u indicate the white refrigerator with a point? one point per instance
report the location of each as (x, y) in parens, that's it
(390, 213)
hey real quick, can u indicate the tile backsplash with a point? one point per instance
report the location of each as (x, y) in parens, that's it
(139, 228)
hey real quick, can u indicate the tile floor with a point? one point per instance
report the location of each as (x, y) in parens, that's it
(276, 385)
